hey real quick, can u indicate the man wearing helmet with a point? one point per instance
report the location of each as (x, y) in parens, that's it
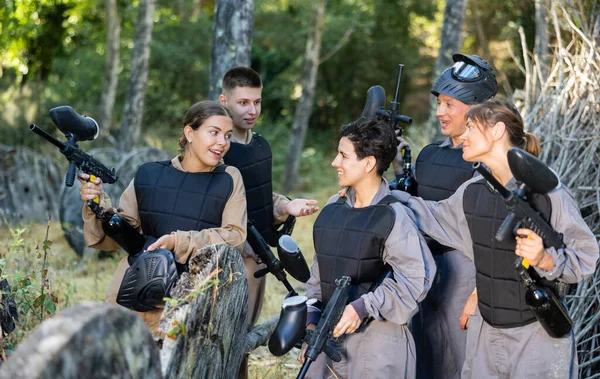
(440, 338)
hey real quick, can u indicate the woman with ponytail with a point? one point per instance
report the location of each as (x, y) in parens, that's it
(504, 339)
(178, 205)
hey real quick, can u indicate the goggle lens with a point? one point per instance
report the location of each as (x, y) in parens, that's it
(465, 71)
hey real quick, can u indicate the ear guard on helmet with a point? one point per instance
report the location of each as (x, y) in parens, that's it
(471, 80)
(148, 280)
(292, 259)
(291, 327)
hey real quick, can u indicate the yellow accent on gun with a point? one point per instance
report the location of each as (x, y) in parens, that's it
(93, 179)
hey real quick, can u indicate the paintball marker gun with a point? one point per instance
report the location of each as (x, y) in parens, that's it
(292, 259)
(318, 338)
(374, 106)
(532, 175)
(76, 128)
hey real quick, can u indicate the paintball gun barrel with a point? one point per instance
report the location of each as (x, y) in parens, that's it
(317, 339)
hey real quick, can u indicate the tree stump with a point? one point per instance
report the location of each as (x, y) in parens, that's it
(212, 308)
(91, 340)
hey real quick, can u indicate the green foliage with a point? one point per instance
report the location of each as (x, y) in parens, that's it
(42, 282)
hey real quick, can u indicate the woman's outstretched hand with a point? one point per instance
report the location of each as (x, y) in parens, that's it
(301, 207)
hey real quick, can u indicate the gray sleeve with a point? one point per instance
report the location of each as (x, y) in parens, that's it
(313, 285)
(396, 299)
(444, 220)
(577, 260)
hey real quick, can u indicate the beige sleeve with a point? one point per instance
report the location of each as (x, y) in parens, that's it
(233, 224)
(279, 213)
(92, 228)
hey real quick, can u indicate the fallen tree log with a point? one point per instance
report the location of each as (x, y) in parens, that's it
(91, 340)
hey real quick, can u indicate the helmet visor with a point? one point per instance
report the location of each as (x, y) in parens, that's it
(465, 72)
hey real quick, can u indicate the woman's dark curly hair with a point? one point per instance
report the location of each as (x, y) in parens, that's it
(372, 137)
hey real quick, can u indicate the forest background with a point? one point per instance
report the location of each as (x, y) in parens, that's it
(54, 52)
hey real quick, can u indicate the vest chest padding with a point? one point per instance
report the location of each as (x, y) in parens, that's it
(170, 200)
(500, 291)
(254, 160)
(350, 241)
(440, 171)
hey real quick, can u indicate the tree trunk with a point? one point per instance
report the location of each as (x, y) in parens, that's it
(232, 40)
(134, 106)
(305, 104)
(454, 15)
(111, 69)
(542, 41)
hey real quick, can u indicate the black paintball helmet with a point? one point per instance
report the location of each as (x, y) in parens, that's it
(471, 80)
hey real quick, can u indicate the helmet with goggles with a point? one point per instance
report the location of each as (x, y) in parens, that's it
(470, 80)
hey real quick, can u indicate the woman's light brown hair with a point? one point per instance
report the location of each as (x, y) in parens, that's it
(493, 111)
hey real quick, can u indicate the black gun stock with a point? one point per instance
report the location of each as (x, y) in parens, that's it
(317, 338)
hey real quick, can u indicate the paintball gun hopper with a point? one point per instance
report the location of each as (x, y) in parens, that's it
(528, 169)
(292, 259)
(290, 329)
(69, 121)
(375, 101)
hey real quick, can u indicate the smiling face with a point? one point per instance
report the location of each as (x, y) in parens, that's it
(207, 144)
(350, 169)
(244, 103)
(477, 141)
(451, 113)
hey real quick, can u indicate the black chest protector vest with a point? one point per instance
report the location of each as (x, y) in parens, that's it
(170, 200)
(350, 241)
(254, 162)
(500, 292)
(440, 171)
